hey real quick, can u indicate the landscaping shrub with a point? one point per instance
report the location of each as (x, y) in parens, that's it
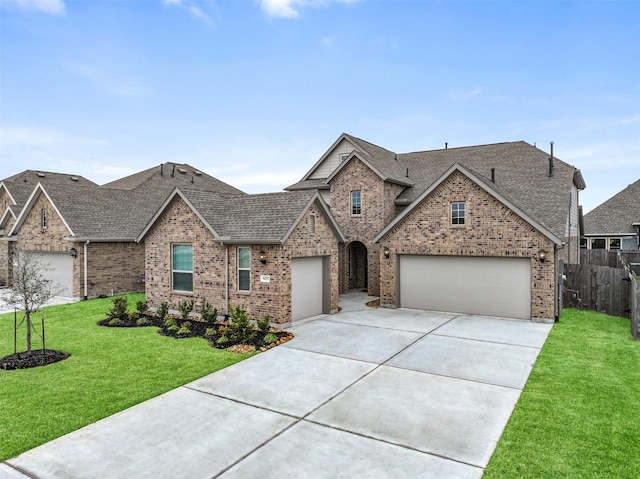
(186, 306)
(240, 328)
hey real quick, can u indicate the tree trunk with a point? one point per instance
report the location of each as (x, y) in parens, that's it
(28, 319)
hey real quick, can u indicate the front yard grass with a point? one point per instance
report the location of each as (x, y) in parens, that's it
(579, 413)
(110, 369)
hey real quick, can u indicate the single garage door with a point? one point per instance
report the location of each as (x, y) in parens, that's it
(477, 285)
(60, 272)
(306, 287)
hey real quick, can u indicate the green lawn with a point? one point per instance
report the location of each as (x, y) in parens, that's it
(579, 414)
(109, 370)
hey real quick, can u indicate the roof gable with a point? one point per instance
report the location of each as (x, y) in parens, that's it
(37, 191)
(260, 218)
(487, 187)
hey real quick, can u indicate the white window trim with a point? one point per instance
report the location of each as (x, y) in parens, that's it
(181, 271)
(351, 202)
(458, 225)
(243, 269)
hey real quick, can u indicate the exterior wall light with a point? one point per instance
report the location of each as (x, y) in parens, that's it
(386, 252)
(262, 256)
(73, 252)
(542, 255)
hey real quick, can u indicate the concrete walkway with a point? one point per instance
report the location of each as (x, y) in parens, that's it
(374, 393)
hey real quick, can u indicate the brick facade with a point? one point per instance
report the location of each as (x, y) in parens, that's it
(378, 209)
(492, 229)
(113, 268)
(179, 224)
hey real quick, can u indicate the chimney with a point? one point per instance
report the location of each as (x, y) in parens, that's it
(551, 162)
(493, 175)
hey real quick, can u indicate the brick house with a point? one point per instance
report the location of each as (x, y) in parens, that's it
(276, 253)
(85, 232)
(615, 224)
(476, 229)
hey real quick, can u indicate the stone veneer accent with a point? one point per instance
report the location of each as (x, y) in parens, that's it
(378, 209)
(492, 229)
(179, 224)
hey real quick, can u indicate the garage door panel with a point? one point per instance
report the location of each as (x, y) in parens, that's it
(306, 287)
(476, 285)
(60, 272)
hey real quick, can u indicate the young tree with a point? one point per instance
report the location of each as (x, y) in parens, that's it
(30, 289)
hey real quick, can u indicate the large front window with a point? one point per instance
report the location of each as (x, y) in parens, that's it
(356, 203)
(182, 267)
(244, 268)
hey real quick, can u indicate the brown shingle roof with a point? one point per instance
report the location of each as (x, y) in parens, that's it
(521, 175)
(21, 185)
(616, 215)
(167, 176)
(267, 218)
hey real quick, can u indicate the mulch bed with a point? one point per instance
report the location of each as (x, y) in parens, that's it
(33, 359)
(198, 329)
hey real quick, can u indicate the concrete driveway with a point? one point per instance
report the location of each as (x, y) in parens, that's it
(365, 393)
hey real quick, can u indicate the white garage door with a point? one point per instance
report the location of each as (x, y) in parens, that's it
(61, 272)
(306, 287)
(475, 285)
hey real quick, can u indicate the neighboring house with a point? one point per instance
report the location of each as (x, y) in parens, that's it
(14, 194)
(87, 233)
(615, 224)
(475, 229)
(275, 254)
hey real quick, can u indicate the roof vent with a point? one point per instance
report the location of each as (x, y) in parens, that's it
(74, 178)
(197, 173)
(551, 162)
(40, 175)
(446, 145)
(493, 175)
(182, 170)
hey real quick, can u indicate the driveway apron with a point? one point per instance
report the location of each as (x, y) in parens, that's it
(367, 392)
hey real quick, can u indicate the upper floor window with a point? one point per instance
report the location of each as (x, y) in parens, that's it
(182, 266)
(356, 203)
(44, 218)
(458, 213)
(244, 268)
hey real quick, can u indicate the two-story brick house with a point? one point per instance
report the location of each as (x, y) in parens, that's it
(476, 229)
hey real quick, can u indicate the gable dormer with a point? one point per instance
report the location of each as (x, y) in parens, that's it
(331, 160)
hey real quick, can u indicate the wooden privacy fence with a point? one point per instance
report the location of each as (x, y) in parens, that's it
(604, 282)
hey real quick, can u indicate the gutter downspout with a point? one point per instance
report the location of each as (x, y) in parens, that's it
(226, 279)
(86, 288)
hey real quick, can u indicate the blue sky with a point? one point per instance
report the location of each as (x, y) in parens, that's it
(254, 92)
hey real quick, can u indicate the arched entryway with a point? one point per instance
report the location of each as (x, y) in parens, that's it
(358, 266)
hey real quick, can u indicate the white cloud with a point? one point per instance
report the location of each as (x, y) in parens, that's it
(291, 8)
(193, 8)
(53, 7)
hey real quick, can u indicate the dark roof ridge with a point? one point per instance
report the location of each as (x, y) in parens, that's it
(469, 146)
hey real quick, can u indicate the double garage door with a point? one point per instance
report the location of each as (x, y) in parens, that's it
(488, 286)
(307, 287)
